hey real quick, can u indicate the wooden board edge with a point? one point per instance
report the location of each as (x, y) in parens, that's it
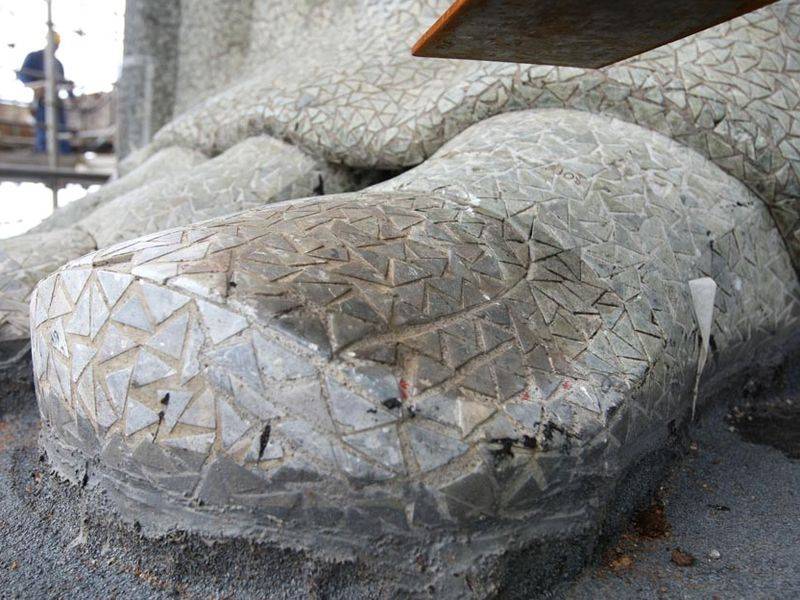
(446, 21)
(424, 46)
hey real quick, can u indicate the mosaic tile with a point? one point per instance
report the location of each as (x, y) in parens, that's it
(81, 355)
(353, 411)
(80, 321)
(380, 444)
(432, 449)
(114, 343)
(73, 282)
(169, 338)
(98, 310)
(138, 417)
(232, 425)
(150, 368)
(59, 305)
(200, 443)
(201, 412)
(117, 383)
(113, 284)
(132, 313)
(220, 323)
(161, 302)
(174, 402)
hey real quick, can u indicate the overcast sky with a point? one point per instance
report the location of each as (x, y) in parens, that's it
(91, 41)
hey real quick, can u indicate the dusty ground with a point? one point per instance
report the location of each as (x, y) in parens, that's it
(731, 505)
(726, 524)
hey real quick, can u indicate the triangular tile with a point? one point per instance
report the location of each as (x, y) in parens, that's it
(114, 343)
(175, 402)
(99, 312)
(59, 306)
(132, 313)
(232, 425)
(193, 443)
(433, 449)
(162, 302)
(381, 445)
(169, 338)
(201, 412)
(58, 338)
(74, 280)
(150, 368)
(81, 355)
(138, 417)
(106, 416)
(220, 323)
(117, 383)
(113, 284)
(80, 323)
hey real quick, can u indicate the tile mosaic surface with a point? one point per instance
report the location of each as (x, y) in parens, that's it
(355, 98)
(174, 187)
(482, 344)
(451, 364)
(163, 165)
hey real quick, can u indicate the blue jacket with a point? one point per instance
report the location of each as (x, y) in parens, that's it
(33, 68)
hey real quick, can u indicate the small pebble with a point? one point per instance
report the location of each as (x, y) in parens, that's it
(714, 554)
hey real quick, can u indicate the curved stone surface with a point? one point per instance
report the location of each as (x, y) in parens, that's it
(451, 366)
(23, 262)
(257, 171)
(355, 96)
(165, 164)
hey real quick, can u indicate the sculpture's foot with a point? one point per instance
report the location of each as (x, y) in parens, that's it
(258, 171)
(23, 261)
(168, 163)
(436, 377)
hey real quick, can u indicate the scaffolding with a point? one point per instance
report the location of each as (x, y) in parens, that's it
(52, 168)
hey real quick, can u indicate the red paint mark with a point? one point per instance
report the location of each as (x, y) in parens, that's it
(567, 385)
(526, 395)
(403, 389)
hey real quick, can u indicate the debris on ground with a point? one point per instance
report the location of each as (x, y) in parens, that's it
(620, 562)
(775, 423)
(652, 522)
(682, 558)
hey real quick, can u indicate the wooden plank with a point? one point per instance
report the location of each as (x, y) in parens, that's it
(575, 33)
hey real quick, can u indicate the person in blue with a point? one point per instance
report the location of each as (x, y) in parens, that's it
(33, 75)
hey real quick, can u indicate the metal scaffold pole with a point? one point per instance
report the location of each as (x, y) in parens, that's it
(50, 102)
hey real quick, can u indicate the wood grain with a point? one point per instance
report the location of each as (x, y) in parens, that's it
(575, 33)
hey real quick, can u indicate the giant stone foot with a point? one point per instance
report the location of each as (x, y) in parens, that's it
(436, 377)
(316, 89)
(174, 187)
(336, 79)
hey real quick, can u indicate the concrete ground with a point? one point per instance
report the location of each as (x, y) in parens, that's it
(726, 524)
(732, 506)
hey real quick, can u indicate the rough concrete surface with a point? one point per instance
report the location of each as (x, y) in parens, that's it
(725, 495)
